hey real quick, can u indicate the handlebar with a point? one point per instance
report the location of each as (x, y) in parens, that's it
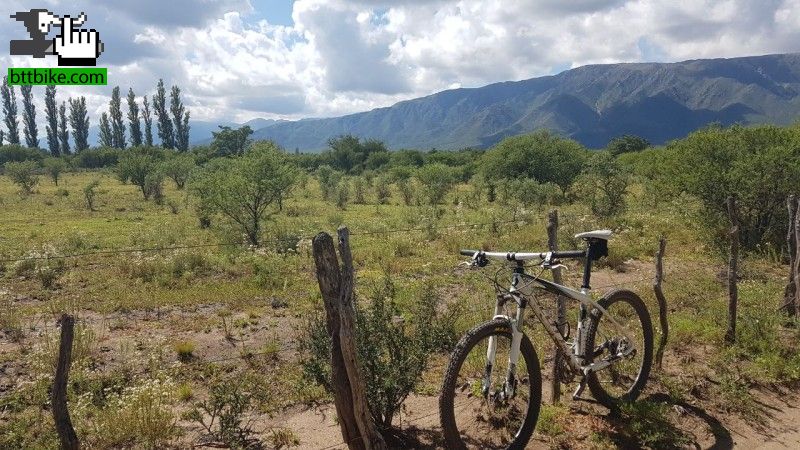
(520, 256)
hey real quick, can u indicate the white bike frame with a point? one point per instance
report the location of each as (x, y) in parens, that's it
(573, 351)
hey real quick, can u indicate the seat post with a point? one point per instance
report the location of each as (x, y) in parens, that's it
(587, 265)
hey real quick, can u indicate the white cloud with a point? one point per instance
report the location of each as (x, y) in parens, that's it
(343, 56)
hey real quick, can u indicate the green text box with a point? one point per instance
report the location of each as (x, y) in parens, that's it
(68, 76)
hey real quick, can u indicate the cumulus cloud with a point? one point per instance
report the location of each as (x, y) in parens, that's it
(343, 56)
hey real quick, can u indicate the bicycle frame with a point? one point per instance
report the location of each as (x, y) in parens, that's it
(573, 353)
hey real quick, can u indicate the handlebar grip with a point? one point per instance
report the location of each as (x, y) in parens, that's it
(467, 252)
(566, 254)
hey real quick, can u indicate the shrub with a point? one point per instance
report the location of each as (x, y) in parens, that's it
(90, 194)
(435, 181)
(392, 355)
(245, 189)
(358, 191)
(542, 156)
(224, 415)
(602, 185)
(759, 165)
(141, 414)
(141, 169)
(184, 350)
(18, 153)
(406, 188)
(382, 190)
(342, 194)
(23, 175)
(96, 158)
(54, 167)
(154, 187)
(328, 181)
(179, 168)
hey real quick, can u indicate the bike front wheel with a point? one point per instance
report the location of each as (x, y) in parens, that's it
(477, 414)
(624, 379)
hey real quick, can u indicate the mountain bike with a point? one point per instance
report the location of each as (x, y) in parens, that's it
(491, 393)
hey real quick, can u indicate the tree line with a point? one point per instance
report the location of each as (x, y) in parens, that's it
(71, 116)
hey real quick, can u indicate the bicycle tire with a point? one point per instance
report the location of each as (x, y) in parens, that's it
(502, 327)
(595, 386)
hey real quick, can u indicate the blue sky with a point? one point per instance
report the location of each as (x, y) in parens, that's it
(278, 12)
(240, 59)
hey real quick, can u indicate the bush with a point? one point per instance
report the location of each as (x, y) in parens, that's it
(245, 189)
(96, 158)
(602, 185)
(542, 156)
(54, 167)
(141, 414)
(224, 416)
(90, 193)
(179, 168)
(758, 165)
(342, 194)
(23, 175)
(141, 169)
(382, 190)
(435, 181)
(18, 153)
(392, 354)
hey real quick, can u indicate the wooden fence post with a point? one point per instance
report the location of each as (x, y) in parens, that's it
(372, 438)
(797, 260)
(561, 309)
(790, 293)
(662, 301)
(733, 293)
(58, 398)
(336, 286)
(329, 278)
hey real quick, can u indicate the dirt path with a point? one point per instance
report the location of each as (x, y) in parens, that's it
(784, 427)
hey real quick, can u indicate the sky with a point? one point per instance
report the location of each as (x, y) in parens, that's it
(236, 60)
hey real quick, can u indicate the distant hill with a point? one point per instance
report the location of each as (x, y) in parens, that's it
(592, 104)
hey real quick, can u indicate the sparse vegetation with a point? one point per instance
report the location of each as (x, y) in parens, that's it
(231, 305)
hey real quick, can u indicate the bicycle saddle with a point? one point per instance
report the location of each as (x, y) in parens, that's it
(596, 234)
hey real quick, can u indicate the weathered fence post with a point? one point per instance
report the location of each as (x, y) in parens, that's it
(790, 293)
(336, 286)
(662, 301)
(372, 438)
(58, 398)
(561, 308)
(733, 293)
(329, 278)
(797, 260)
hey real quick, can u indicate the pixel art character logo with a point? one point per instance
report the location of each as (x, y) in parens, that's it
(73, 46)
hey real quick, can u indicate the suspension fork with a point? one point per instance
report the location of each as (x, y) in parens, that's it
(491, 351)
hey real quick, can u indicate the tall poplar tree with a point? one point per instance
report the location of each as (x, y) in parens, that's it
(165, 130)
(134, 126)
(180, 120)
(106, 133)
(63, 132)
(148, 123)
(30, 129)
(79, 121)
(51, 111)
(117, 127)
(10, 111)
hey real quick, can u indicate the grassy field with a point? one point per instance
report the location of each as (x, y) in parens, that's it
(158, 327)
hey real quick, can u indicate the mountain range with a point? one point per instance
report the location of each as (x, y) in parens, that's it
(591, 104)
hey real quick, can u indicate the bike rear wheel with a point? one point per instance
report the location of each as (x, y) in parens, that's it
(624, 380)
(474, 415)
